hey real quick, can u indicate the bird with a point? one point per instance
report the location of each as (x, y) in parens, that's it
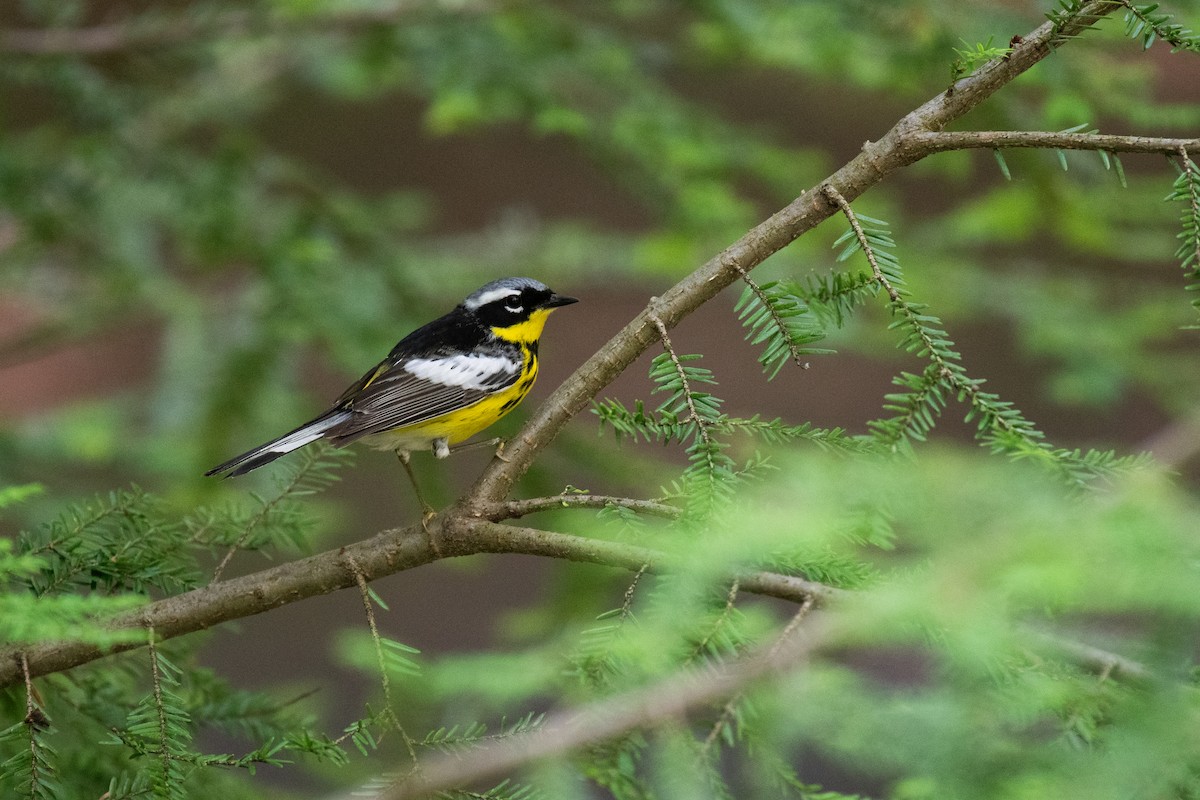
(440, 385)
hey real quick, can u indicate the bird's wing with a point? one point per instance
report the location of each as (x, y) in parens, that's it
(418, 389)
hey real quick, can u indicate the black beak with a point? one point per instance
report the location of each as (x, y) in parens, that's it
(557, 300)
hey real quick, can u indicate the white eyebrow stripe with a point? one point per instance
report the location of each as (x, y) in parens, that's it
(490, 297)
(466, 371)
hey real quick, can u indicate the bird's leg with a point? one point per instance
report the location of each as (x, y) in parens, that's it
(427, 511)
(441, 447)
(497, 442)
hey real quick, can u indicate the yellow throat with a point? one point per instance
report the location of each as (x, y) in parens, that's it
(526, 332)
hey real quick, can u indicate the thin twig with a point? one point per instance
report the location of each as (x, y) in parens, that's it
(156, 680)
(780, 325)
(480, 536)
(730, 603)
(512, 509)
(1163, 33)
(364, 591)
(844, 205)
(1189, 170)
(1103, 662)
(29, 706)
(669, 699)
(627, 602)
(179, 30)
(694, 414)
(940, 141)
(730, 707)
(33, 719)
(966, 388)
(284, 491)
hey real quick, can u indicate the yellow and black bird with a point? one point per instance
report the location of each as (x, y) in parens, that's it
(440, 385)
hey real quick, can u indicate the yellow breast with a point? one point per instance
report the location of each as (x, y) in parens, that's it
(461, 424)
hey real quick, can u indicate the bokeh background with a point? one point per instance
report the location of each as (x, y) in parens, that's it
(213, 217)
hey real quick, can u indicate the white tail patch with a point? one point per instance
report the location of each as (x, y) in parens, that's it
(309, 433)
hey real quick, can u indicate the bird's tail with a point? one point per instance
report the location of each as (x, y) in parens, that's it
(266, 453)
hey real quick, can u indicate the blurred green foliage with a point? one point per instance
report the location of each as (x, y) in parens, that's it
(944, 565)
(967, 582)
(146, 186)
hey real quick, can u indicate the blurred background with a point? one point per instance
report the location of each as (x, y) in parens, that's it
(215, 216)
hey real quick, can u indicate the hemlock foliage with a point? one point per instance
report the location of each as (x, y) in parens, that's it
(1015, 620)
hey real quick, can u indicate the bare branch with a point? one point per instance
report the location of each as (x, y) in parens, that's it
(669, 699)
(1103, 662)
(673, 698)
(940, 141)
(519, 508)
(463, 536)
(898, 148)
(181, 29)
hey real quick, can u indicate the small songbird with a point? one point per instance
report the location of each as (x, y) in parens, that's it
(440, 385)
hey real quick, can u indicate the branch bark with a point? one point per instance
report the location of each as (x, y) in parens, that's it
(666, 700)
(185, 28)
(519, 508)
(383, 554)
(941, 141)
(899, 147)
(672, 698)
(387, 553)
(467, 536)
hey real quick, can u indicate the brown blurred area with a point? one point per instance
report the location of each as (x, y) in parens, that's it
(474, 179)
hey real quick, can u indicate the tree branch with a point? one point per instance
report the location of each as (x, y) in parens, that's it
(899, 147)
(668, 699)
(387, 553)
(519, 508)
(468, 536)
(1103, 662)
(941, 141)
(180, 29)
(672, 698)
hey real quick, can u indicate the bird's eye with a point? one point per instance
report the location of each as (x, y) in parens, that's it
(513, 304)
